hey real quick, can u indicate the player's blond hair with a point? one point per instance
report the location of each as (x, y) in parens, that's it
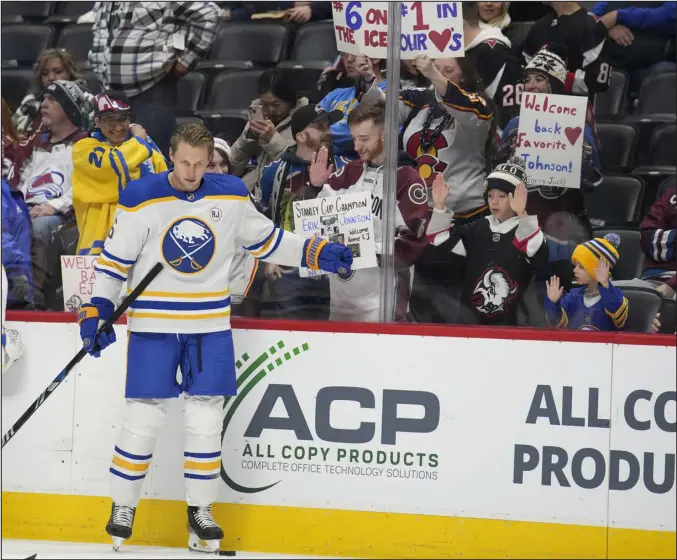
(196, 135)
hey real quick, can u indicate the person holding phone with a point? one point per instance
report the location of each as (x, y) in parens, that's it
(268, 133)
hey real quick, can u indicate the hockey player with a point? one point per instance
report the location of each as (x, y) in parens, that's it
(356, 296)
(191, 222)
(501, 249)
(598, 305)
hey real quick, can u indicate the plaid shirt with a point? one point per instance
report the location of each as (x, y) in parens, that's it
(136, 43)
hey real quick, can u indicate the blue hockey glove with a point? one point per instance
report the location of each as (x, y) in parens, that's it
(318, 254)
(89, 316)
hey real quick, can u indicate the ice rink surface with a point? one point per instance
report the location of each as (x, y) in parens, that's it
(48, 549)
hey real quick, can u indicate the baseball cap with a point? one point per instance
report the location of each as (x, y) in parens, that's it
(312, 114)
(111, 102)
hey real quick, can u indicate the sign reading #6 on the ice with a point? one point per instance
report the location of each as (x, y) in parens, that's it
(345, 219)
(434, 29)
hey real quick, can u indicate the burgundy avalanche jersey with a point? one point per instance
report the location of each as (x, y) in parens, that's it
(357, 297)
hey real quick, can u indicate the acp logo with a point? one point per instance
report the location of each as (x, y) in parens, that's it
(188, 245)
(252, 372)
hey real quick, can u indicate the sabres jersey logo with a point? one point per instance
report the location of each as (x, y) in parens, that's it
(188, 245)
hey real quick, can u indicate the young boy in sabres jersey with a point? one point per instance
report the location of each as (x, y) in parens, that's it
(598, 305)
(192, 223)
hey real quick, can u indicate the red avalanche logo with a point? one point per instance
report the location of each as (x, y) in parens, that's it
(49, 185)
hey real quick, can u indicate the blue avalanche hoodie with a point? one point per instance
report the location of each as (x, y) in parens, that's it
(16, 237)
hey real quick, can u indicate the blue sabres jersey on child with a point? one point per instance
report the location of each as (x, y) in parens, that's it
(195, 235)
(577, 310)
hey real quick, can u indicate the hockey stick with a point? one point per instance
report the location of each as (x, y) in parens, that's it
(81, 354)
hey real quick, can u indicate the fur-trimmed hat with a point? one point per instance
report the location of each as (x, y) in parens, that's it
(550, 61)
(506, 176)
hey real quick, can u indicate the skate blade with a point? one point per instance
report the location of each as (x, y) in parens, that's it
(117, 541)
(207, 547)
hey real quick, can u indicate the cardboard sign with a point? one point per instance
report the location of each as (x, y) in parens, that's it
(345, 219)
(434, 29)
(77, 273)
(550, 138)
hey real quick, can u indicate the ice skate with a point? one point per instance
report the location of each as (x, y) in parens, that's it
(204, 535)
(120, 524)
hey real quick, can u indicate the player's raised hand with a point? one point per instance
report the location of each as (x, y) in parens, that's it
(554, 291)
(440, 192)
(602, 272)
(518, 200)
(319, 171)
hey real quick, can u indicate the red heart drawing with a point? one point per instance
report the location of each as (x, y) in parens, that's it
(572, 134)
(440, 40)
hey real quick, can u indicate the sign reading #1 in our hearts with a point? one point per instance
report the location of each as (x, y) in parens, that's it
(550, 138)
(434, 29)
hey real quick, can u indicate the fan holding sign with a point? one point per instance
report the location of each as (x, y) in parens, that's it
(349, 209)
(559, 149)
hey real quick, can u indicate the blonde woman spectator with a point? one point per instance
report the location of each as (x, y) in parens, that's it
(52, 65)
(495, 14)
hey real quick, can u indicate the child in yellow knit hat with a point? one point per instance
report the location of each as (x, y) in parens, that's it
(596, 306)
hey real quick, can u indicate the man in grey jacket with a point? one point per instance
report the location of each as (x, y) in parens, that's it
(268, 132)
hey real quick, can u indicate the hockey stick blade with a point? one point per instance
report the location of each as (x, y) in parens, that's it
(81, 354)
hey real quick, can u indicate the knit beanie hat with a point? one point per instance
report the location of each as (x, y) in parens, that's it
(550, 61)
(221, 145)
(589, 253)
(70, 96)
(506, 176)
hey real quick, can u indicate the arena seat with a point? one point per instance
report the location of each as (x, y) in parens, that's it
(23, 43)
(77, 39)
(315, 41)
(657, 95)
(610, 105)
(616, 201)
(15, 85)
(19, 12)
(643, 305)
(631, 256)
(191, 89)
(257, 42)
(662, 153)
(304, 76)
(666, 183)
(232, 91)
(69, 12)
(619, 142)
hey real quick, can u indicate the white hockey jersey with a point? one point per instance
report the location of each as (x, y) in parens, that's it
(195, 236)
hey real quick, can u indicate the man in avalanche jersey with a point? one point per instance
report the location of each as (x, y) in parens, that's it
(356, 296)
